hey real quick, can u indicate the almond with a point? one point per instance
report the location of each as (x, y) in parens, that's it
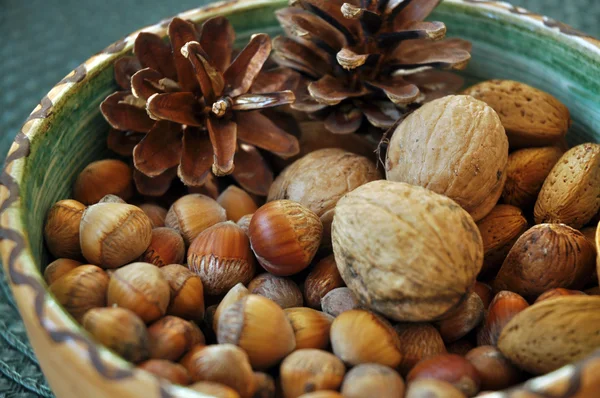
(530, 116)
(571, 193)
(525, 174)
(499, 230)
(552, 333)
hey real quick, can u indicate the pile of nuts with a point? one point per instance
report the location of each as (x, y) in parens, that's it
(462, 272)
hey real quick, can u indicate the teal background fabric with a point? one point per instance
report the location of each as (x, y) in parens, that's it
(45, 40)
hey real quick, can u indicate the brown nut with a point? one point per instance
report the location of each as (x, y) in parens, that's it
(120, 330)
(502, 309)
(593, 291)
(222, 363)
(234, 294)
(339, 300)
(557, 292)
(374, 380)
(432, 388)
(114, 234)
(526, 172)
(530, 116)
(545, 257)
(166, 247)
(484, 291)
(418, 341)
(173, 372)
(499, 230)
(421, 237)
(108, 176)
(236, 202)
(61, 230)
(285, 236)
(281, 290)
(322, 279)
(322, 394)
(192, 214)
(495, 371)
(155, 213)
(461, 321)
(244, 222)
(552, 333)
(359, 336)
(58, 268)
(171, 337)
(265, 386)
(451, 368)
(222, 257)
(460, 347)
(571, 192)
(187, 293)
(454, 146)
(81, 289)
(311, 327)
(309, 370)
(215, 390)
(319, 179)
(112, 199)
(258, 326)
(141, 288)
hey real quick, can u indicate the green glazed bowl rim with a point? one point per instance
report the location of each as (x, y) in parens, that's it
(18, 259)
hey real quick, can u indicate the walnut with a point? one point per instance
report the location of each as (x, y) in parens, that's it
(405, 251)
(455, 146)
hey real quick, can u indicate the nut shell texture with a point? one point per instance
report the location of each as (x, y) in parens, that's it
(191, 214)
(455, 146)
(405, 251)
(61, 230)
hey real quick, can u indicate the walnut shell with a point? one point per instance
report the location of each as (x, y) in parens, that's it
(455, 146)
(571, 193)
(499, 230)
(530, 116)
(525, 174)
(319, 179)
(547, 256)
(405, 251)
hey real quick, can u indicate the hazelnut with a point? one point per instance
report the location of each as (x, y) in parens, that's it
(258, 326)
(322, 394)
(451, 368)
(372, 380)
(319, 179)
(311, 327)
(359, 336)
(155, 213)
(502, 309)
(281, 290)
(108, 176)
(222, 257)
(418, 341)
(495, 371)
(244, 222)
(557, 292)
(463, 319)
(58, 268)
(120, 330)
(285, 236)
(391, 240)
(484, 291)
(234, 294)
(460, 347)
(215, 390)
(236, 202)
(222, 363)
(166, 247)
(590, 234)
(61, 230)
(81, 289)
(455, 146)
(141, 288)
(112, 199)
(187, 293)
(309, 370)
(114, 234)
(265, 385)
(173, 372)
(192, 214)
(432, 388)
(322, 279)
(339, 300)
(171, 337)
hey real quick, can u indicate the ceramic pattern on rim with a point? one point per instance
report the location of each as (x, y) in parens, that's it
(569, 379)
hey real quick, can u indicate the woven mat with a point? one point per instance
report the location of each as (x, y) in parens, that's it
(43, 41)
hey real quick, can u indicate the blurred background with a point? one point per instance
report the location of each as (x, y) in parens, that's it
(44, 40)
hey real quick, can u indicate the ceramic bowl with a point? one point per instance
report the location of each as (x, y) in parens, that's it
(66, 131)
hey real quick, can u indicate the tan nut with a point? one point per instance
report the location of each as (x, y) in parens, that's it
(234, 294)
(372, 380)
(432, 388)
(58, 268)
(187, 293)
(192, 214)
(171, 337)
(311, 327)
(108, 176)
(236, 202)
(281, 290)
(61, 230)
(173, 372)
(309, 370)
